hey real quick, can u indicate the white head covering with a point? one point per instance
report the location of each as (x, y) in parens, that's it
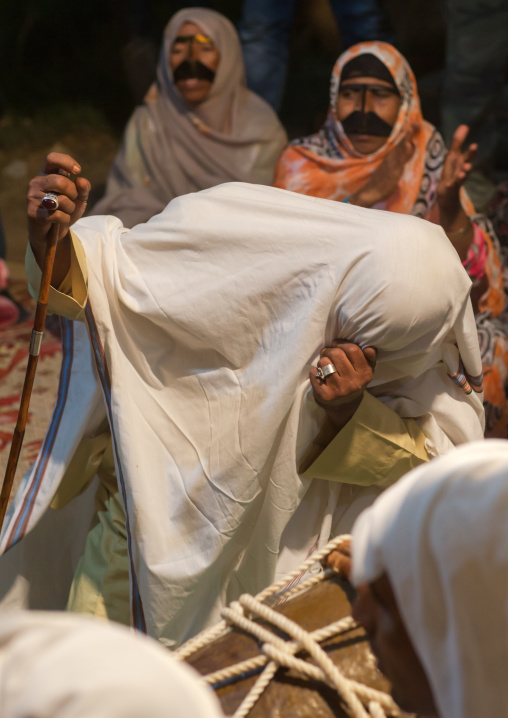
(441, 535)
(64, 666)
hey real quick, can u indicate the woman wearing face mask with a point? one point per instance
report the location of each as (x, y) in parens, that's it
(199, 125)
(376, 150)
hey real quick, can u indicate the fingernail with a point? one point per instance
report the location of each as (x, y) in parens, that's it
(76, 170)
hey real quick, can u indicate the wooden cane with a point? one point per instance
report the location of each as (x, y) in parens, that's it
(33, 357)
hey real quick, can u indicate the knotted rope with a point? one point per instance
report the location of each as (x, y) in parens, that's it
(360, 700)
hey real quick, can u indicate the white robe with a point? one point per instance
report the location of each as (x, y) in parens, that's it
(205, 322)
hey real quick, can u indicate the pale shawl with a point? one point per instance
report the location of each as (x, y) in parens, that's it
(55, 665)
(441, 535)
(211, 316)
(169, 149)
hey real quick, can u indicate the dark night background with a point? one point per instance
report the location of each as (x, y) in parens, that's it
(63, 52)
(73, 72)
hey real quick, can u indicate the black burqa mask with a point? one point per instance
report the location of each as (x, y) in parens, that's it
(191, 69)
(360, 122)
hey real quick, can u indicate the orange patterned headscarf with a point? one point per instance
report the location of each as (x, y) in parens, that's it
(327, 165)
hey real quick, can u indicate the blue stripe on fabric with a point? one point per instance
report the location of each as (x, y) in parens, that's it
(21, 523)
(100, 360)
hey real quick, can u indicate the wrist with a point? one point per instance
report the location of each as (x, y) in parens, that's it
(461, 237)
(38, 247)
(342, 410)
(451, 214)
(39, 242)
(461, 231)
(341, 401)
(38, 231)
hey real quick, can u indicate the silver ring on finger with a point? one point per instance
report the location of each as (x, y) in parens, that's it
(50, 201)
(326, 370)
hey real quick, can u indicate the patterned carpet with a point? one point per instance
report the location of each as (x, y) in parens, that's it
(14, 344)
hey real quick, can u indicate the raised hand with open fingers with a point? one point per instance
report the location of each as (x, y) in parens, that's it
(452, 217)
(457, 166)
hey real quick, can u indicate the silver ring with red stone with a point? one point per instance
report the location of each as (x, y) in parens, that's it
(326, 370)
(50, 201)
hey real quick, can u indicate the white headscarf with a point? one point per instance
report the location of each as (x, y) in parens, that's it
(63, 666)
(441, 535)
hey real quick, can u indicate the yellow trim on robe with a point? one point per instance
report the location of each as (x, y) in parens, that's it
(376, 447)
(101, 583)
(69, 300)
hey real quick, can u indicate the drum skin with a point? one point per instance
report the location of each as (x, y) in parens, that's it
(288, 696)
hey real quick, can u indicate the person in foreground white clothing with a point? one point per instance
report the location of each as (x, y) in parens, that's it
(63, 666)
(205, 323)
(430, 563)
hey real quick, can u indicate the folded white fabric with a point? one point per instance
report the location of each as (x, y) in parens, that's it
(66, 666)
(441, 535)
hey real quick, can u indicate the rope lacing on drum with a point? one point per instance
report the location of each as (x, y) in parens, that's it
(360, 700)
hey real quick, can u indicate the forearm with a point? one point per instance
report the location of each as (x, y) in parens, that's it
(337, 417)
(452, 218)
(62, 260)
(459, 230)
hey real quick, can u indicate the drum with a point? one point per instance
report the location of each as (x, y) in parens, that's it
(322, 605)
